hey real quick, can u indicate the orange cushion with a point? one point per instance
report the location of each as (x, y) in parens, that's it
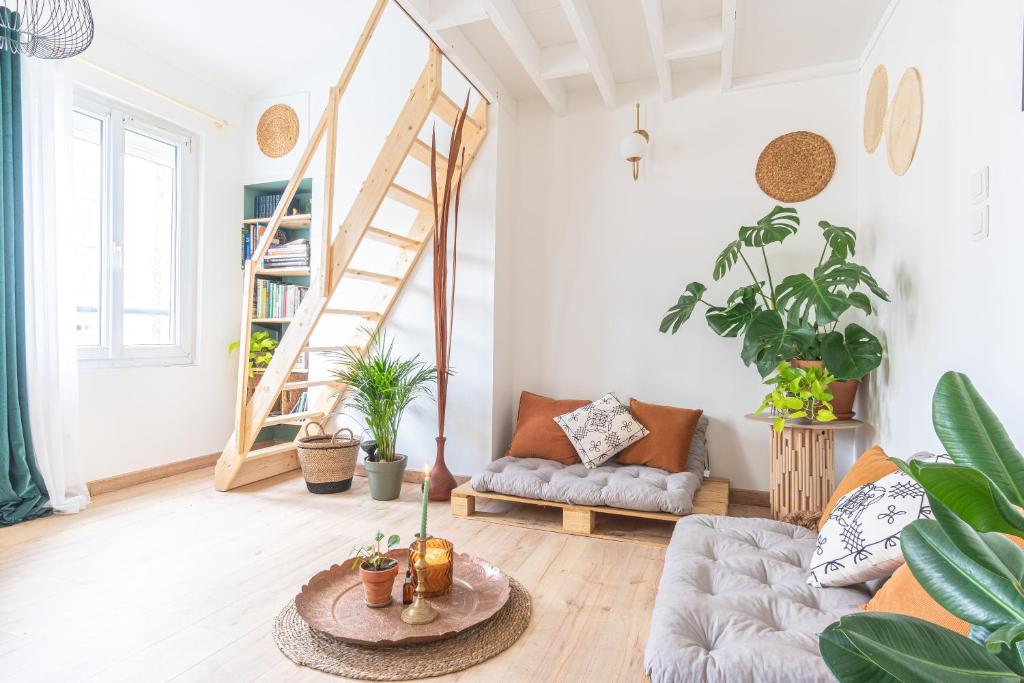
(668, 444)
(871, 466)
(537, 434)
(902, 594)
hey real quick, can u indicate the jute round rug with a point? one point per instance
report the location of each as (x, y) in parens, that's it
(307, 647)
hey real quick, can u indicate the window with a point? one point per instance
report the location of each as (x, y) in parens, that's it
(134, 237)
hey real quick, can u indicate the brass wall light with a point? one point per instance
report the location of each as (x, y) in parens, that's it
(634, 145)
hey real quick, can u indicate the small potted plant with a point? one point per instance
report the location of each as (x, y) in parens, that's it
(799, 395)
(377, 571)
(261, 351)
(381, 385)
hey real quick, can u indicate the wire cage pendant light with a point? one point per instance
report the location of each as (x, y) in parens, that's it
(48, 29)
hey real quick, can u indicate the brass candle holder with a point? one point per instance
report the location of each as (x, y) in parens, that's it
(420, 611)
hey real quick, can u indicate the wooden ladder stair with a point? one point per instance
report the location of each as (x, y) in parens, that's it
(240, 463)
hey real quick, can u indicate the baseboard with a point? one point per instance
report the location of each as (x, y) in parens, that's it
(413, 476)
(749, 497)
(123, 481)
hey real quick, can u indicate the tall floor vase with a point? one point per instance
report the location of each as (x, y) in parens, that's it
(442, 481)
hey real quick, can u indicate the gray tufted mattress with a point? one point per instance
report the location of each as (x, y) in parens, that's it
(631, 487)
(734, 604)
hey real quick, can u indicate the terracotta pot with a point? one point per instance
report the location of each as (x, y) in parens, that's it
(377, 585)
(844, 392)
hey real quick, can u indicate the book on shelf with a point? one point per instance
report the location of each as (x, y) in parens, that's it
(276, 300)
(294, 253)
(251, 235)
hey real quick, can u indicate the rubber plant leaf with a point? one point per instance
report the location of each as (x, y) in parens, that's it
(727, 259)
(818, 292)
(889, 647)
(842, 241)
(992, 550)
(852, 354)
(683, 309)
(973, 435)
(1013, 656)
(775, 226)
(956, 581)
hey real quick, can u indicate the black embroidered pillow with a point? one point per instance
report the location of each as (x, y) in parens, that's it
(860, 540)
(600, 429)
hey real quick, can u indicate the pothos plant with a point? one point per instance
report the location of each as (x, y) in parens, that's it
(799, 316)
(798, 394)
(963, 558)
(261, 350)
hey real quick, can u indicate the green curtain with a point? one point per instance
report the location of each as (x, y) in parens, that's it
(22, 492)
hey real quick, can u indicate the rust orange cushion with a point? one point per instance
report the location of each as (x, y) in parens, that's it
(872, 465)
(902, 594)
(668, 444)
(537, 435)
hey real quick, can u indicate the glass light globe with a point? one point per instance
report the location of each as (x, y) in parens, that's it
(633, 147)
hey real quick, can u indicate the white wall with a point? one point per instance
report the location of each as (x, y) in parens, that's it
(954, 300)
(133, 418)
(598, 258)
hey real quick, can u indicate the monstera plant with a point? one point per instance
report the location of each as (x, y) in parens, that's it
(963, 558)
(798, 316)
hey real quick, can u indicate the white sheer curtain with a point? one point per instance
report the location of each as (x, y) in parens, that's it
(47, 97)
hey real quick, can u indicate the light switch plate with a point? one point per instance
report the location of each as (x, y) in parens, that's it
(979, 186)
(979, 223)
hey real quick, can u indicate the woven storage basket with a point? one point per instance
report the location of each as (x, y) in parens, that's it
(328, 462)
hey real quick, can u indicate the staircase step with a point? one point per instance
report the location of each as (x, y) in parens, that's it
(292, 418)
(370, 276)
(368, 315)
(446, 108)
(331, 349)
(308, 383)
(270, 451)
(420, 151)
(409, 198)
(392, 238)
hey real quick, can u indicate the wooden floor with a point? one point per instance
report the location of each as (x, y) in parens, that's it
(171, 580)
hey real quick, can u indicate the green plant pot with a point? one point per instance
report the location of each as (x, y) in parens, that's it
(386, 477)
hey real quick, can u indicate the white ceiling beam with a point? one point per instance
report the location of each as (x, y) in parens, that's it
(509, 23)
(583, 27)
(656, 33)
(728, 41)
(455, 13)
(562, 61)
(693, 39)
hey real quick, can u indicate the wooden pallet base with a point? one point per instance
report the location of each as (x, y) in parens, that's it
(632, 526)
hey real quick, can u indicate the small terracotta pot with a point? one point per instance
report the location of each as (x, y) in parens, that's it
(377, 585)
(844, 392)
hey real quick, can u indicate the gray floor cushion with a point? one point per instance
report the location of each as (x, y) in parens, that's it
(632, 487)
(734, 604)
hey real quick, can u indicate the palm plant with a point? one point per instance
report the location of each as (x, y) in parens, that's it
(962, 558)
(381, 385)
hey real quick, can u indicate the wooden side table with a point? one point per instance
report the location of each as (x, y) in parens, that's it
(803, 469)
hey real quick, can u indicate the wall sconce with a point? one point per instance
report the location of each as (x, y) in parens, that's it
(634, 145)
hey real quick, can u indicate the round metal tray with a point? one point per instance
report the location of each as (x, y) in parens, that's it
(332, 603)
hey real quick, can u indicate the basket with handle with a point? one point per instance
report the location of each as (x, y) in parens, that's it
(328, 460)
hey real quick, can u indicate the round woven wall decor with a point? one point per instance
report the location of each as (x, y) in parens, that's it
(795, 166)
(903, 125)
(875, 102)
(277, 130)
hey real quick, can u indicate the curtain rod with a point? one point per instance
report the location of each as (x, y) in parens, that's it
(217, 121)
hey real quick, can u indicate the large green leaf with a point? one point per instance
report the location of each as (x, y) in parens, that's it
(727, 259)
(861, 301)
(969, 494)
(959, 583)
(769, 341)
(822, 292)
(973, 435)
(1012, 656)
(992, 550)
(842, 241)
(681, 312)
(730, 321)
(865, 278)
(853, 354)
(777, 225)
(889, 647)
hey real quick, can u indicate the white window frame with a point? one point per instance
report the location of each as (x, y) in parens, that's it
(111, 351)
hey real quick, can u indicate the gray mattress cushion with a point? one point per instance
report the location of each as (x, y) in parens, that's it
(697, 458)
(734, 604)
(632, 487)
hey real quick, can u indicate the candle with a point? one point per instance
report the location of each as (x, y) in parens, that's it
(426, 498)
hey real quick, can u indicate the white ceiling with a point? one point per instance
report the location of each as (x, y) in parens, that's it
(523, 48)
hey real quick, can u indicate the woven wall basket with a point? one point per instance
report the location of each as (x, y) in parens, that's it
(277, 131)
(795, 166)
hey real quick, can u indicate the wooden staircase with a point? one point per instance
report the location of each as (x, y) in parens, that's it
(240, 463)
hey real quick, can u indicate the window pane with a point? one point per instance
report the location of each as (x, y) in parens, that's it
(87, 171)
(150, 175)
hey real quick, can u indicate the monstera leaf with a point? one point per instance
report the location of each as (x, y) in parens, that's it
(865, 278)
(769, 340)
(860, 300)
(733, 319)
(842, 241)
(681, 312)
(853, 354)
(777, 225)
(727, 259)
(819, 292)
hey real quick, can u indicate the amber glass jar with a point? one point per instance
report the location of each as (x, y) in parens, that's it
(440, 557)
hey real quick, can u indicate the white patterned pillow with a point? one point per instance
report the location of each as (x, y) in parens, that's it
(860, 541)
(601, 429)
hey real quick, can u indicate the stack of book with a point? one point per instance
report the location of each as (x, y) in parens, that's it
(251, 235)
(293, 254)
(276, 300)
